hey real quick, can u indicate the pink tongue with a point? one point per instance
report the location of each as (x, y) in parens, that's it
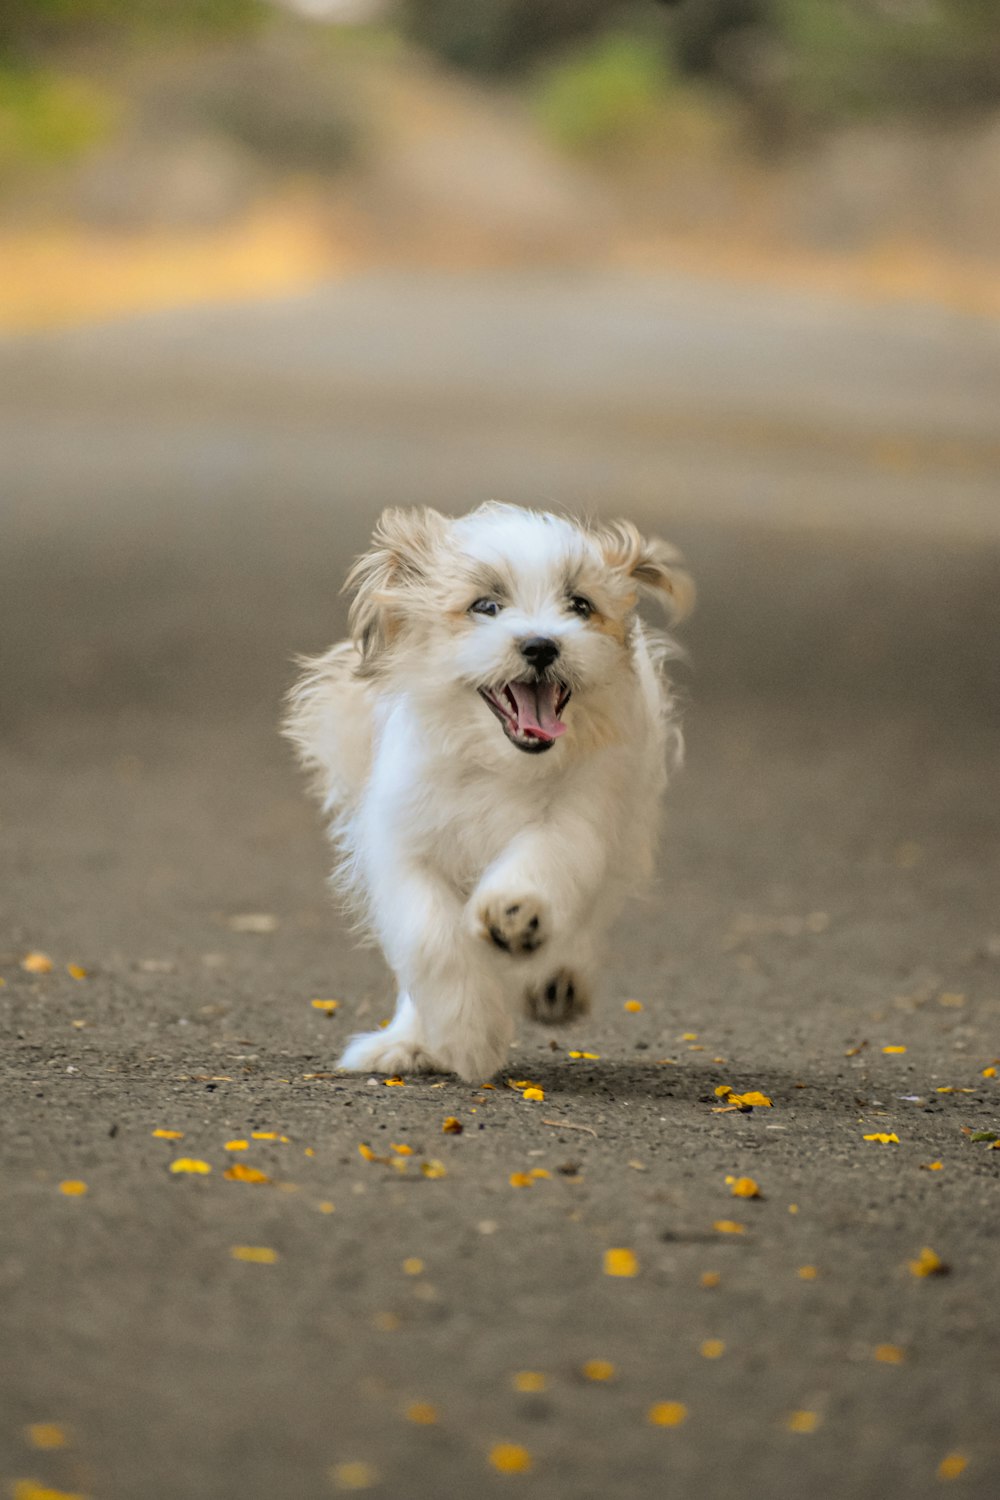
(536, 709)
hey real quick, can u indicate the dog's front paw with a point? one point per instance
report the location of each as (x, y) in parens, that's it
(381, 1052)
(561, 999)
(517, 924)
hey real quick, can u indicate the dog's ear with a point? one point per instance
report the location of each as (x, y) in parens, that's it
(387, 579)
(654, 565)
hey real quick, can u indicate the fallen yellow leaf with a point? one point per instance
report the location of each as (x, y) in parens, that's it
(329, 1006)
(709, 1278)
(46, 1435)
(520, 1180)
(422, 1413)
(413, 1265)
(529, 1381)
(401, 1148)
(598, 1369)
(395, 1082)
(27, 1489)
(452, 1126)
(73, 1188)
(808, 1273)
(952, 1465)
(633, 1006)
(239, 1172)
(258, 1255)
(433, 1168)
(928, 1263)
(713, 1348)
(533, 1094)
(621, 1262)
(884, 1138)
(728, 1226)
(510, 1458)
(743, 1187)
(190, 1164)
(354, 1476)
(37, 963)
(76, 971)
(667, 1413)
(802, 1421)
(236, 1146)
(889, 1354)
(894, 1050)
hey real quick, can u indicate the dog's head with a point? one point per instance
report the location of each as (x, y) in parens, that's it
(508, 612)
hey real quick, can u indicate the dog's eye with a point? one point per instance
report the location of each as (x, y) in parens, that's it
(581, 606)
(484, 607)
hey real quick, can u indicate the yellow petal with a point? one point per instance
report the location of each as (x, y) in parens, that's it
(27, 1489)
(884, 1138)
(755, 1099)
(928, 1263)
(889, 1354)
(802, 1421)
(401, 1148)
(745, 1187)
(620, 1262)
(259, 1255)
(238, 1172)
(395, 1082)
(539, 1173)
(190, 1164)
(452, 1126)
(520, 1180)
(72, 1188)
(46, 1435)
(354, 1476)
(76, 971)
(433, 1168)
(633, 1006)
(528, 1381)
(534, 1094)
(713, 1348)
(951, 1466)
(37, 963)
(168, 1135)
(236, 1146)
(599, 1369)
(667, 1413)
(893, 1051)
(709, 1278)
(728, 1226)
(510, 1458)
(422, 1413)
(808, 1273)
(329, 1006)
(413, 1265)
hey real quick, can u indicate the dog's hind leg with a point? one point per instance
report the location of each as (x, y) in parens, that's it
(563, 997)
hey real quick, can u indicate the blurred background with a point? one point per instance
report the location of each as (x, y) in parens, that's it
(171, 150)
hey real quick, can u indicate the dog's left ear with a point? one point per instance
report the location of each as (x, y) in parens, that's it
(387, 580)
(655, 566)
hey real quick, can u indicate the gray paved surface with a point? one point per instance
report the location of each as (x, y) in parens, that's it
(178, 498)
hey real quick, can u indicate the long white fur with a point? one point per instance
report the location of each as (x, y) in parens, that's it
(440, 823)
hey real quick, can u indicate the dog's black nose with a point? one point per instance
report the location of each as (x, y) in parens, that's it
(539, 651)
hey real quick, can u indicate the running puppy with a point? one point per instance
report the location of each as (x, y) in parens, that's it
(490, 748)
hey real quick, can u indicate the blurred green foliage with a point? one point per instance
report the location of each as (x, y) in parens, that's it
(50, 117)
(795, 64)
(603, 92)
(33, 29)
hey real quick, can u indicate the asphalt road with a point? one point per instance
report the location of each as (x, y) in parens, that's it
(179, 497)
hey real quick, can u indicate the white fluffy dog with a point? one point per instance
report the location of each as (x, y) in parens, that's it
(490, 747)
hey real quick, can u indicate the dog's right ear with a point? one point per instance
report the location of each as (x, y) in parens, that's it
(387, 580)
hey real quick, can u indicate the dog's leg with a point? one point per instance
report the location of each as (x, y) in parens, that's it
(455, 1012)
(541, 890)
(563, 997)
(396, 1048)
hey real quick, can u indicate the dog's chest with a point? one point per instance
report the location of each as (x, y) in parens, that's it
(461, 826)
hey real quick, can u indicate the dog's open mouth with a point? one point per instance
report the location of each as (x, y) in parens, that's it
(529, 712)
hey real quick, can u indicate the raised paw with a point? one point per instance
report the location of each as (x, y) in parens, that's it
(517, 924)
(561, 999)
